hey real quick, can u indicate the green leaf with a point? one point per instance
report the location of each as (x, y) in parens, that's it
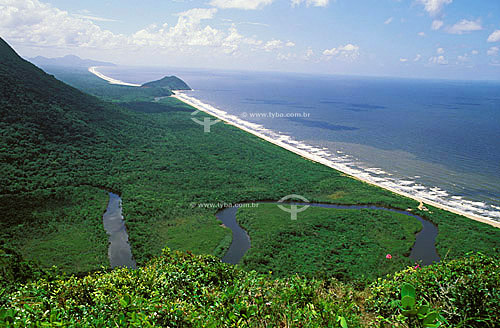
(423, 311)
(408, 302)
(407, 290)
(125, 301)
(430, 319)
(343, 322)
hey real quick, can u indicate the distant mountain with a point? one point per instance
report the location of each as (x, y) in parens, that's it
(67, 61)
(168, 82)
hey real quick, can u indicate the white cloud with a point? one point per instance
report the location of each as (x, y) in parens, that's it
(94, 18)
(465, 26)
(403, 60)
(290, 44)
(315, 3)
(240, 4)
(273, 45)
(188, 32)
(347, 52)
(421, 34)
(493, 51)
(389, 20)
(40, 24)
(417, 58)
(474, 52)
(288, 56)
(308, 55)
(440, 51)
(494, 37)
(433, 7)
(438, 60)
(436, 24)
(463, 59)
(34, 22)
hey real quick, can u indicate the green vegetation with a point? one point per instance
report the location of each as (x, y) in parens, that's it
(55, 138)
(81, 79)
(466, 292)
(61, 149)
(168, 82)
(327, 242)
(183, 290)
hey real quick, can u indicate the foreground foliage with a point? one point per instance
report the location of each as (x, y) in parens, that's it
(183, 290)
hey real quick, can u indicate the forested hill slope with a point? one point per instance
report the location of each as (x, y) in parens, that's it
(43, 121)
(168, 82)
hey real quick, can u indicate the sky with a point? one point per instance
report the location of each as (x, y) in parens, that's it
(444, 39)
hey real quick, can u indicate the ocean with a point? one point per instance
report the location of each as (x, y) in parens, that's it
(435, 139)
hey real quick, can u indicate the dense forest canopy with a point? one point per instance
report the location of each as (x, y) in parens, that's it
(62, 150)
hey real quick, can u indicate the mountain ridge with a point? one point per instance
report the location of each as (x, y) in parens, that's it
(67, 61)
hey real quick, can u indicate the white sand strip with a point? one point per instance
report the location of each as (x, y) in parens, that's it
(254, 129)
(94, 71)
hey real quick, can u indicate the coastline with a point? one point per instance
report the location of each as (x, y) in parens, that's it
(307, 155)
(94, 71)
(279, 141)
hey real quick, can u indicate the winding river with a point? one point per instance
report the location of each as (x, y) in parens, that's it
(119, 251)
(424, 248)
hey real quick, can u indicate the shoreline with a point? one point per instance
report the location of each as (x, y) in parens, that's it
(247, 127)
(189, 100)
(94, 71)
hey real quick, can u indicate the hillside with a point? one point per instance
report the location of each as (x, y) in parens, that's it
(63, 150)
(169, 82)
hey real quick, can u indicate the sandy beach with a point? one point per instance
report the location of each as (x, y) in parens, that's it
(307, 152)
(94, 71)
(249, 127)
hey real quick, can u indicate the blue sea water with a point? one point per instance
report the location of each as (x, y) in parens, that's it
(436, 139)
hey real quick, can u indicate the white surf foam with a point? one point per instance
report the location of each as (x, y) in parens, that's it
(349, 165)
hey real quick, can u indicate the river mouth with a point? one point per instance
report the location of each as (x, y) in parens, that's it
(119, 251)
(423, 250)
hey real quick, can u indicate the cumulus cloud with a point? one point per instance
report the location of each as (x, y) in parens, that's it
(315, 3)
(417, 58)
(309, 54)
(474, 52)
(493, 51)
(388, 20)
(34, 22)
(241, 4)
(421, 34)
(494, 37)
(436, 24)
(465, 26)
(463, 58)
(273, 45)
(440, 51)
(438, 60)
(187, 32)
(403, 60)
(433, 7)
(347, 52)
(38, 23)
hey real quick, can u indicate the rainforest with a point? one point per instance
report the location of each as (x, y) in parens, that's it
(68, 138)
